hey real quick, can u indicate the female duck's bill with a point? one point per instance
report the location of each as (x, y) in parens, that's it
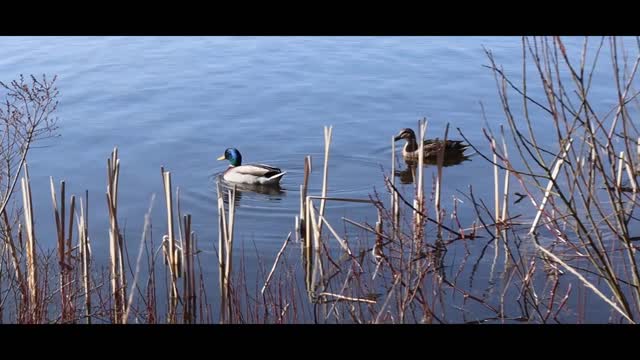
(250, 174)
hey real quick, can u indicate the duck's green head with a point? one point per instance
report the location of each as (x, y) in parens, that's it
(233, 155)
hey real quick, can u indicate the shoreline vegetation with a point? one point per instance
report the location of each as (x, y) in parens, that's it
(576, 240)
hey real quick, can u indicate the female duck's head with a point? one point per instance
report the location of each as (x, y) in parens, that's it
(233, 155)
(406, 134)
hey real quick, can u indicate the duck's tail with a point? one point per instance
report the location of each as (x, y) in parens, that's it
(275, 178)
(277, 175)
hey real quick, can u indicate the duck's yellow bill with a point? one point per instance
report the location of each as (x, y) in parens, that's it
(221, 157)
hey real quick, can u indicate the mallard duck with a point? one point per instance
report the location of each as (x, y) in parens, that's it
(453, 149)
(250, 174)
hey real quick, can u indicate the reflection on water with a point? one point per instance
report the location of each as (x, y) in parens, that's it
(407, 175)
(272, 192)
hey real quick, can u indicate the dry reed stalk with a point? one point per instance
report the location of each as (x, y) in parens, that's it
(325, 173)
(275, 263)
(64, 249)
(303, 195)
(171, 249)
(60, 236)
(632, 177)
(313, 251)
(585, 282)
(316, 240)
(342, 242)
(68, 261)
(307, 250)
(69, 246)
(221, 253)
(554, 174)
(189, 275)
(386, 302)
(503, 220)
(377, 251)
(369, 229)
(309, 245)
(134, 285)
(620, 167)
(347, 298)
(32, 260)
(229, 248)
(305, 223)
(119, 238)
(85, 253)
(314, 259)
(307, 228)
(179, 252)
(395, 209)
(225, 251)
(194, 257)
(354, 200)
(439, 162)
(118, 286)
(342, 289)
(8, 236)
(496, 184)
(322, 219)
(505, 193)
(418, 202)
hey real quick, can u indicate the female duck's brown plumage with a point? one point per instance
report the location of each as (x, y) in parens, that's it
(453, 149)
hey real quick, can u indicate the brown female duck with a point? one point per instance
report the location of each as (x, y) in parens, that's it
(453, 149)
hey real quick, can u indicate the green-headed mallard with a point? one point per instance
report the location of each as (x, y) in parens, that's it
(251, 174)
(453, 149)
